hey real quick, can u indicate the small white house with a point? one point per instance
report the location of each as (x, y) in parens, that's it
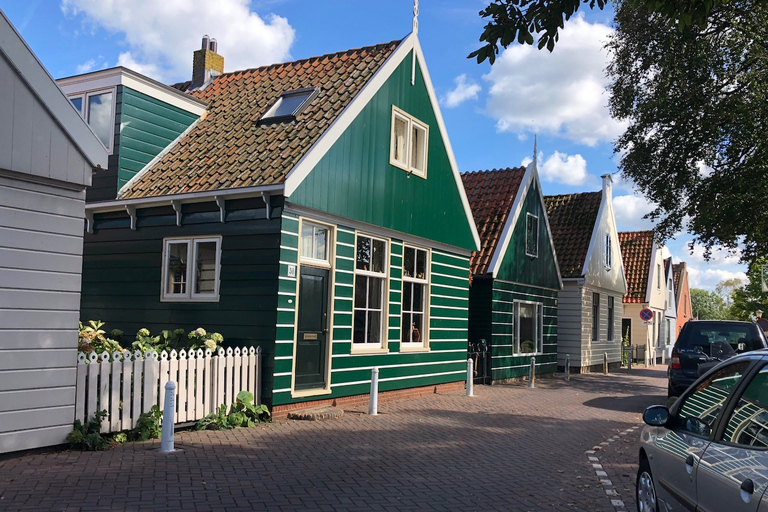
(589, 308)
(47, 156)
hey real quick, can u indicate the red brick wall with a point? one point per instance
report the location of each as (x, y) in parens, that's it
(280, 412)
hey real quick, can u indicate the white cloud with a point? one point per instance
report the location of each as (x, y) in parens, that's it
(560, 93)
(562, 168)
(707, 278)
(85, 67)
(465, 90)
(629, 211)
(719, 255)
(126, 59)
(156, 39)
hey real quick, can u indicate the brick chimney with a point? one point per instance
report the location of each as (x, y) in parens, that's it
(206, 64)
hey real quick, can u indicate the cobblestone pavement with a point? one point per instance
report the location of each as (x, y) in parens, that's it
(509, 448)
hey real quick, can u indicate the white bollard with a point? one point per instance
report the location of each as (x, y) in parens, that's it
(166, 442)
(470, 379)
(532, 373)
(373, 406)
(605, 363)
(567, 366)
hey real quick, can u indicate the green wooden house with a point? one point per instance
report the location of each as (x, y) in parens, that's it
(515, 274)
(315, 209)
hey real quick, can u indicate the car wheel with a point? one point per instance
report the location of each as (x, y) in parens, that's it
(645, 490)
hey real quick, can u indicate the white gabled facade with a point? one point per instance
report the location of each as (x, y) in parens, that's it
(47, 156)
(590, 305)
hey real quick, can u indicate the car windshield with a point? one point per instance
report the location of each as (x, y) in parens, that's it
(740, 336)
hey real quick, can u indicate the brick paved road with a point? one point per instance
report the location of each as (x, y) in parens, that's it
(509, 448)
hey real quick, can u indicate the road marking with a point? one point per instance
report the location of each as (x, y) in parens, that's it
(608, 487)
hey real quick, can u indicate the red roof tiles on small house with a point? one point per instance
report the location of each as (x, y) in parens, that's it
(636, 253)
(572, 220)
(229, 148)
(491, 195)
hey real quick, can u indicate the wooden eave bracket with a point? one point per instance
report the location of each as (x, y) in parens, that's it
(265, 196)
(132, 212)
(221, 203)
(177, 208)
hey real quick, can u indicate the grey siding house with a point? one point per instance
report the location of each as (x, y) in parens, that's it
(47, 156)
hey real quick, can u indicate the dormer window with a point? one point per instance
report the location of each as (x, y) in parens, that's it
(289, 105)
(408, 143)
(97, 108)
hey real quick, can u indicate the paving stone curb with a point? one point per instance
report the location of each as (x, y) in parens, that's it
(608, 486)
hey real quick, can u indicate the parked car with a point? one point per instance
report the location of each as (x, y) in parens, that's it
(709, 450)
(702, 344)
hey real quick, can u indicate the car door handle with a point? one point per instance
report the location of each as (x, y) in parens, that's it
(689, 462)
(748, 486)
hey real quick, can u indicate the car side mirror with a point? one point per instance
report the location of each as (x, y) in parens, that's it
(656, 415)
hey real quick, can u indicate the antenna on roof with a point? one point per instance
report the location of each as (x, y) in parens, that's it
(415, 16)
(415, 32)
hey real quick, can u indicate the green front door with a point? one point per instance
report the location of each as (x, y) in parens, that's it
(311, 348)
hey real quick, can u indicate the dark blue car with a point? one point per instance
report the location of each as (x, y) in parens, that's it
(702, 344)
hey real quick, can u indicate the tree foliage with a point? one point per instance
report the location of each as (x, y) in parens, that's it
(519, 21)
(707, 305)
(750, 297)
(696, 103)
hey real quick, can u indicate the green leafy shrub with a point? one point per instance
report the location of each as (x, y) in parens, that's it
(91, 338)
(148, 425)
(88, 436)
(177, 340)
(243, 413)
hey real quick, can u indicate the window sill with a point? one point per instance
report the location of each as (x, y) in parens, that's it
(420, 348)
(303, 393)
(187, 299)
(368, 350)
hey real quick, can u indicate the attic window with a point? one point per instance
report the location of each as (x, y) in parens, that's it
(289, 105)
(408, 143)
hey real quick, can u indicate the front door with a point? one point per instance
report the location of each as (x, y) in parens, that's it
(312, 328)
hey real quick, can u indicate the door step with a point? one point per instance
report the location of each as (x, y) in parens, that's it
(317, 414)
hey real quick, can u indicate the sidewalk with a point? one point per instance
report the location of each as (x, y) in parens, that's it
(509, 448)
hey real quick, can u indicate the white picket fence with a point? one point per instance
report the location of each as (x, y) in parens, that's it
(128, 384)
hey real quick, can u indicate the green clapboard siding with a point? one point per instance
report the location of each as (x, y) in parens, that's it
(122, 274)
(147, 126)
(517, 266)
(520, 277)
(445, 361)
(355, 180)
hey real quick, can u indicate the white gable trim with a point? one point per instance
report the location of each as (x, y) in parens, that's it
(301, 170)
(530, 178)
(651, 273)
(40, 82)
(594, 240)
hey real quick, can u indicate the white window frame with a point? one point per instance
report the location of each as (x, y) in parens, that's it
(424, 342)
(539, 324)
(528, 251)
(411, 124)
(190, 295)
(608, 253)
(326, 262)
(365, 346)
(84, 112)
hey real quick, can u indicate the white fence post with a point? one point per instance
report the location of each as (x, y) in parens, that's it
(532, 373)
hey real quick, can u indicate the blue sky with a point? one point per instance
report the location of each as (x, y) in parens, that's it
(491, 112)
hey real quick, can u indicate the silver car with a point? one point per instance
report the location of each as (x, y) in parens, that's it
(708, 452)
